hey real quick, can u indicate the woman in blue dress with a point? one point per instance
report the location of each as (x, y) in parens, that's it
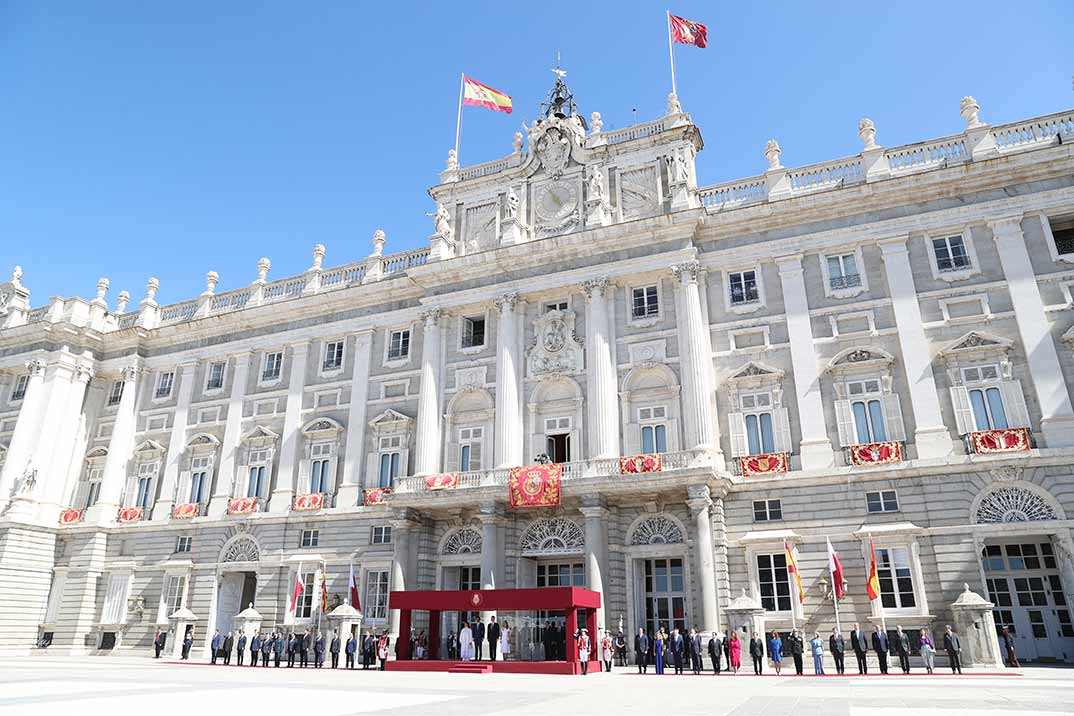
(658, 646)
(775, 651)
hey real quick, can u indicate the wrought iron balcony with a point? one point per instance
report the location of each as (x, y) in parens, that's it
(850, 280)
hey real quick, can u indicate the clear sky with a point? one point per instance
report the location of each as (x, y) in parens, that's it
(166, 139)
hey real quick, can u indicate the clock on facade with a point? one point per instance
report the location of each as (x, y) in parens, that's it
(556, 201)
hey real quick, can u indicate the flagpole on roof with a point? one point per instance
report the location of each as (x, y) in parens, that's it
(671, 55)
(458, 120)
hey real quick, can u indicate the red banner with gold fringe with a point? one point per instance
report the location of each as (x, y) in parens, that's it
(130, 514)
(70, 517)
(535, 485)
(442, 481)
(242, 506)
(884, 453)
(185, 511)
(769, 464)
(308, 502)
(1007, 440)
(635, 464)
(377, 496)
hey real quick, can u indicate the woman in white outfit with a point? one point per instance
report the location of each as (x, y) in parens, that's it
(466, 643)
(505, 640)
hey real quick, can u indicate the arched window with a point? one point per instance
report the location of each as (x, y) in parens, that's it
(552, 536)
(465, 540)
(658, 529)
(1013, 504)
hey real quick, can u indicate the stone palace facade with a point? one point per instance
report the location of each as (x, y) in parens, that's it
(876, 350)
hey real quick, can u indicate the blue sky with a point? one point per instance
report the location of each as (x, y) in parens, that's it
(168, 139)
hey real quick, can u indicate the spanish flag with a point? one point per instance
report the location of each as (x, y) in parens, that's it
(481, 95)
(792, 568)
(324, 591)
(872, 587)
(688, 32)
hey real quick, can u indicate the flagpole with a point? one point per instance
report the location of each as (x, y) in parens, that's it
(671, 55)
(458, 120)
(835, 590)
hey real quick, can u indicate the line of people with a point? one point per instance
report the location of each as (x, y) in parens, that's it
(295, 648)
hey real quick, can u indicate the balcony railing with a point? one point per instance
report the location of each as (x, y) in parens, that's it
(988, 442)
(888, 452)
(850, 280)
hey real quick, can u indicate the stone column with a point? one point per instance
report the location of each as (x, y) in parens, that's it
(697, 380)
(55, 492)
(292, 425)
(1057, 416)
(930, 434)
(351, 489)
(700, 504)
(119, 451)
(602, 380)
(402, 530)
(491, 557)
(87, 421)
(816, 448)
(595, 550)
(429, 424)
(24, 439)
(508, 440)
(225, 474)
(162, 508)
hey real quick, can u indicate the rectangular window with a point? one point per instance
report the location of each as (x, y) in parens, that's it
(988, 410)
(390, 458)
(215, 376)
(868, 410)
(654, 432)
(760, 436)
(116, 393)
(896, 579)
(843, 272)
(273, 366)
(882, 501)
(570, 574)
(646, 302)
(470, 441)
(256, 484)
(743, 287)
(555, 306)
(992, 558)
(767, 510)
(1062, 235)
(999, 592)
(381, 534)
(376, 594)
(144, 486)
(333, 355)
(473, 332)
(173, 594)
(399, 344)
(774, 582)
(304, 605)
(320, 463)
(310, 538)
(1030, 591)
(1048, 555)
(18, 392)
(183, 545)
(93, 488)
(950, 253)
(164, 384)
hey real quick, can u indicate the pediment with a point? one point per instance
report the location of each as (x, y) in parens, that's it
(860, 356)
(322, 425)
(260, 432)
(754, 371)
(149, 446)
(390, 418)
(203, 440)
(95, 453)
(977, 342)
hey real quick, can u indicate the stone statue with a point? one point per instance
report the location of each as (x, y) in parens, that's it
(512, 203)
(771, 153)
(595, 122)
(596, 185)
(442, 221)
(867, 133)
(16, 277)
(677, 168)
(517, 143)
(452, 160)
(673, 103)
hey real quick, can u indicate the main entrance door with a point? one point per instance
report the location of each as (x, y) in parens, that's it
(1023, 582)
(237, 590)
(664, 592)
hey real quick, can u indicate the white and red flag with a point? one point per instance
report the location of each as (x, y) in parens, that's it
(354, 590)
(836, 568)
(299, 588)
(688, 32)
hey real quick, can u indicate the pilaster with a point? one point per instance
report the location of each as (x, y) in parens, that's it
(429, 424)
(54, 491)
(162, 508)
(225, 475)
(119, 449)
(596, 538)
(508, 432)
(698, 382)
(351, 489)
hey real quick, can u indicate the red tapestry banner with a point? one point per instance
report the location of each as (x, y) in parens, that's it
(185, 511)
(308, 502)
(242, 506)
(1008, 440)
(535, 485)
(635, 464)
(442, 481)
(883, 453)
(377, 496)
(130, 514)
(70, 517)
(770, 464)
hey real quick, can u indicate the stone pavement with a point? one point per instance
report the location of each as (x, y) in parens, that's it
(45, 685)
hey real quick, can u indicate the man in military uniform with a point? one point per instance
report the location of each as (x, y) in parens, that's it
(158, 642)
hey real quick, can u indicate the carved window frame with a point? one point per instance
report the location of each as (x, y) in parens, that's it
(851, 291)
(952, 275)
(751, 306)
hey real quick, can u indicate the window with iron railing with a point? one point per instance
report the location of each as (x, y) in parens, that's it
(843, 272)
(743, 287)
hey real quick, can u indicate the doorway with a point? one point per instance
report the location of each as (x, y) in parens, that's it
(236, 592)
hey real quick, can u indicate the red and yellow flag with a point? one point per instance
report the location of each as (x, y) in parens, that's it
(481, 95)
(792, 568)
(324, 592)
(687, 32)
(872, 587)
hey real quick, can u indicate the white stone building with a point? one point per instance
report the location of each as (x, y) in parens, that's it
(881, 343)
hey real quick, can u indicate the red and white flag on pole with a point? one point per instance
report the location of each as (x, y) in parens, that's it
(688, 32)
(299, 588)
(836, 568)
(354, 590)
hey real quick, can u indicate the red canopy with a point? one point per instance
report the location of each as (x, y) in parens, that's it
(490, 600)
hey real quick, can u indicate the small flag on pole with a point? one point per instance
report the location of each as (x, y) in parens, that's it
(836, 568)
(687, 32)
(792, 568)
(872, 587)
(481, 95)
(354, 590)
(299, 588)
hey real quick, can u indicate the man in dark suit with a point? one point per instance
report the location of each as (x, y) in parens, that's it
(716, 651)
(333, 648)
(548, 639)
(229, 644)
(687, 647)
(757, 653)
(797, 647)
(305, 642)
(880, 646)
(159, 641)
(278, 647)
(215, 645)
(241, 648)
(369, 646)
(292, 649)
(953, 646)
(677, 650)
(697, 651)
(837, 646)
(859, 643)
(641, 650)
(266, 647)
(902, 648)
(255, 648)
(349, 650)
(479, 638)
(620, 647)
(493, 636)
(318, 650)
(188, 641)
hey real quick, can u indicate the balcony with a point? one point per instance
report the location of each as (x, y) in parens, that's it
(760, 465)
(310, 502)
(245, 505)
(888, 452)
(130, 515)
(989, 442)
(850, 280)
(186, 511)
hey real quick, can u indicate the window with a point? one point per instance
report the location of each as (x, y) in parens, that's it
(144, 493)
(757, 414)
(310, 538)
(1048, 554)
(164, 384)
(767, 510)
(1062, 235)
(561, 575)
(774, 583)
(882, 501)
(1030, 591)
(555, 306)
(320, 462)
(390, 456)
(215, 376)
(399, 344)
(333, 356)
(255, 486)
(304, 605)
(843, 272)
(665, 598)
(376, 594)
(985, 400)
(654, 432)
(473, 332)
(273, 366)
(173, 593)
(868, 410)
(183, 545)
(116, 394)
(18, 392)
(950, 253)
(470, 440)
(743, 287)
(992, 558)
(200, 468)
(558, 439)
(896, 581)
(381, 534)
(93, 486)
(646, 302)
(1022, 556)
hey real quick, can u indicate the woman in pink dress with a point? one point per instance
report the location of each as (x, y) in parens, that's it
(734, 648)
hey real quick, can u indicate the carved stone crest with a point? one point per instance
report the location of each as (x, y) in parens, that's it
(556, 349)
(554, 150)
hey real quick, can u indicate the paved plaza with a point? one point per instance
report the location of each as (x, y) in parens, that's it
(50, 685)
